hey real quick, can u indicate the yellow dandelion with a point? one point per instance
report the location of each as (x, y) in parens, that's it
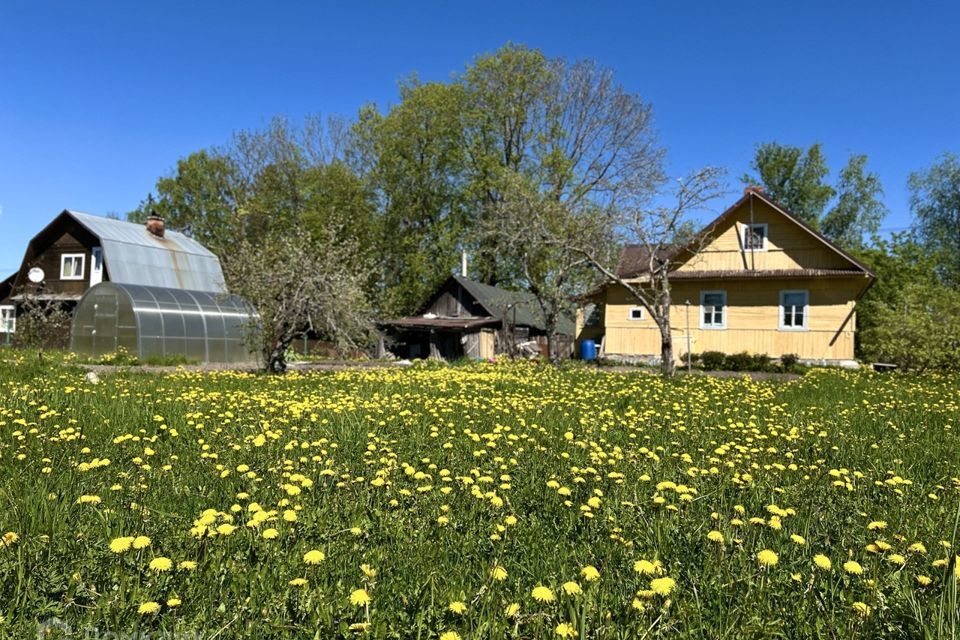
(457, 607)
(498, 573)
(852, 567)
(647, 568)
(541, 593)
(148, 608)
(121, 545)
(174, 602)
(449, 635)
(187, 565)
(141, 542)
(298, 582)
(590, 573)
(360, 598)
(161, 564)
(877, 525)
(715, 536)
(662, 586)
(270, 534)
(314, 557)
(767, 558)
(571, 588)
(511, 610)
(565, 630)
(862, 608)
(823, 562)
(799, 540)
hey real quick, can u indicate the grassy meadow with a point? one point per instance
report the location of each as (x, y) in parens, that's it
(483, 501)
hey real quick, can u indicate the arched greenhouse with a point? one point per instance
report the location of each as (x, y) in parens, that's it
(160, 322)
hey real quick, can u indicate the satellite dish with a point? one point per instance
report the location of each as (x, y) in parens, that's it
(35, 275)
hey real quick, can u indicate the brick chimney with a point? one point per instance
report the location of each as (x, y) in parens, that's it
(753, 188)
(155, 225)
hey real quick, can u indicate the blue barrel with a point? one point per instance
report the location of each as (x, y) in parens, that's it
(588, 350)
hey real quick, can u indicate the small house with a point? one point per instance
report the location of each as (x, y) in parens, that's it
(756, 279)
(464, 318)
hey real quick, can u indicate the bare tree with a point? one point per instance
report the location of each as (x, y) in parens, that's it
(298, 287)
(663, 237)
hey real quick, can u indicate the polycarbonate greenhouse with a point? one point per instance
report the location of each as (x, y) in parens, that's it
(160, 322)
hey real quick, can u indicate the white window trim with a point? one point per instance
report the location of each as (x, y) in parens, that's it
(806, 310)
(13, 315)
(746, 229)
(630, 314)
(83, 265)
(722, 325)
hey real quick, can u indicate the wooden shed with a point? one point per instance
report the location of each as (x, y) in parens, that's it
(464, 318)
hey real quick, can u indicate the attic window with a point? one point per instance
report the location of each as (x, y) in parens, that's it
(71, 266)
(636, 313)
(755, 237)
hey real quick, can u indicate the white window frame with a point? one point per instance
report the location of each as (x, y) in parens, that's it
(630, 314)
(713, 326)
(13, 316)
(83, 265)
(806, 310)
(747, 230)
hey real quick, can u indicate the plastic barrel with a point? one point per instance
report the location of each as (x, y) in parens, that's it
(588, 350)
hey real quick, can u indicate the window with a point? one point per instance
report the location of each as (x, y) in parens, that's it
(755, 237)
(713, 309)
(794, 309)
(71, 266)
(636, 313)
(8, 319)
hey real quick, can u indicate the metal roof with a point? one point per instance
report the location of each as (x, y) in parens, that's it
(520, 307)
(133, 255)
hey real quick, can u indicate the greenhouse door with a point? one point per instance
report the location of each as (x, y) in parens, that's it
(105, 325)
(96, 266)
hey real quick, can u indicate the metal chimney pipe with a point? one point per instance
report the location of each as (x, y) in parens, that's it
(463, 263)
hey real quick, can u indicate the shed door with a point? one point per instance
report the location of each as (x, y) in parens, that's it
(96, 268)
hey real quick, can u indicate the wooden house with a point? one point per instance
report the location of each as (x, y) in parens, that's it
(464, 318)
(77, 251)
(760, 281)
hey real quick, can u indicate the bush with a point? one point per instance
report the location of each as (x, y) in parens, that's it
(742, 361)
(713, 360)
(789, 361)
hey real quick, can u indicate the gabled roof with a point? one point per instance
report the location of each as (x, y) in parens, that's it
(634, 261)
(518, 307)
(133, 255)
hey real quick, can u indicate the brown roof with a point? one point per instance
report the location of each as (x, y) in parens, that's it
(441, 323)
(635, 259)
(740, 274)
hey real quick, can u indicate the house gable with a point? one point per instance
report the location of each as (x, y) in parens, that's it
(787, 246)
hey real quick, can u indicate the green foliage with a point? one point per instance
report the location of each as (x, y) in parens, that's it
(935, 202)
(712, 360)
(918, 330)
(858, 209)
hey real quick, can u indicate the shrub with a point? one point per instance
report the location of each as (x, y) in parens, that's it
(789, 360)
(713, 360)
(742, 361)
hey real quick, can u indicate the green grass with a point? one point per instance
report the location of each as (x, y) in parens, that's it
(576, 455)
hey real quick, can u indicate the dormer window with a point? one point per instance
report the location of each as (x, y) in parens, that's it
(755, 237)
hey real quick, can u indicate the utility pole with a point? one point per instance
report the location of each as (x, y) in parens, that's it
(689, 355)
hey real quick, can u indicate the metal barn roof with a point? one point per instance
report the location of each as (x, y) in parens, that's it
(133, 255)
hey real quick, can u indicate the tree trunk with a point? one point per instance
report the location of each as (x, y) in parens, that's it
(277, 360)
(667, 366)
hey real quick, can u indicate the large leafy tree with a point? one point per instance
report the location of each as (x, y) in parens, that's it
(935, 202)
(797, 178)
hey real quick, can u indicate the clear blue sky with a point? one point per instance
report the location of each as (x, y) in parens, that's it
(98, 99)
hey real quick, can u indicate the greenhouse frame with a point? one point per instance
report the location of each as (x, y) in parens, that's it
(201, 326)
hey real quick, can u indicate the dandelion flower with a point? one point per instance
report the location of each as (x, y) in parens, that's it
(174, 602)
(541, 593)
(449, 635)
(141, 542)
(120, 545)
(187, 565)
(862, 608)
(360, 598)
(571, 588)
(148, 608)
(853, 567)
(822, 562)
(8, 539)
(590, 573)
(498, 573)
(662, 586)
(877, 525)
(565, 630)
(270, 534)
(457, 607)
(314, 557)
(799, 540)
(161, 564)
(511, 610)
(298, 582)
(767, 558)
(647, 568)
(924, 581)
(368, 571)
(715, 536)
(226, 529)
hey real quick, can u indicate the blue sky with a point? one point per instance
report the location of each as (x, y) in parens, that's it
(98, 99)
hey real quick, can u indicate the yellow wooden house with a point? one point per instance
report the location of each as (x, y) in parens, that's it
(762, 281)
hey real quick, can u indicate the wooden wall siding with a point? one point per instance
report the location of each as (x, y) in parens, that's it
(49, 261)
(454, 302)
(752, 319)
(788, 246)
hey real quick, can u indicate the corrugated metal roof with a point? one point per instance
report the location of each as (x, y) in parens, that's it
(133, 255)
(521, 306)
